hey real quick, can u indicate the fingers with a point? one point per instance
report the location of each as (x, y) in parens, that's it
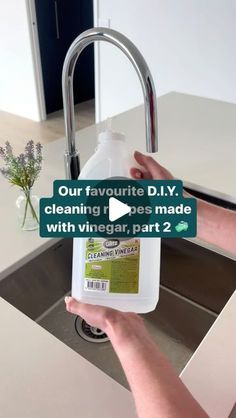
(72, 305)
(82, 309)
(97, 316)
(153, 170)
(90, 313)
(141, 160)
(150, 165)
(136, 173)
(139, 157)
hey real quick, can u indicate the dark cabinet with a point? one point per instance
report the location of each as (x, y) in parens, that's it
(59, 23)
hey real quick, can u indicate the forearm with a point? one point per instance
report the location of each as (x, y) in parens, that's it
(156, 388)
(217, 226)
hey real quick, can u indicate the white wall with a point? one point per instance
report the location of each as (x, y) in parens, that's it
(189, 45)
(18, 92)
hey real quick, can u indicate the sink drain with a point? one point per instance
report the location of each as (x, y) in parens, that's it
(89, 333)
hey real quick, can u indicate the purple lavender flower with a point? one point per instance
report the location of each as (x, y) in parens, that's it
(2, 153)
(22, 170)
(8, 148)
(39, 147)
(29, 150)
(21, 160)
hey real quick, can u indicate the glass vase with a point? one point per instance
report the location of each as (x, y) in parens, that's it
(28, 210)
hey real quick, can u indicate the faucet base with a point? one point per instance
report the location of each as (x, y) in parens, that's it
(72, 165)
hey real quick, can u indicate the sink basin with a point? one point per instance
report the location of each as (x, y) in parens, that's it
(195, 285)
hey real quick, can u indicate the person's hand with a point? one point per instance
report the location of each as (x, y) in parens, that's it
(95, 315)
(119, 326)
(151, 169)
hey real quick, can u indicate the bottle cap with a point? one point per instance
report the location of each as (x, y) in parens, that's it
(110, 135)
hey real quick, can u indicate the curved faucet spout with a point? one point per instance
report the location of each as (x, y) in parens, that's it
(145, 77)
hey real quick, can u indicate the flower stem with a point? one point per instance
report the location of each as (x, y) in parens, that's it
(29, 203)
(26, 206)
(32, 210)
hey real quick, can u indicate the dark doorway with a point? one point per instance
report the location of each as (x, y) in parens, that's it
(59, 23)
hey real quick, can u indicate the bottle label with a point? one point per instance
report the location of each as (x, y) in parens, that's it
(112, 265)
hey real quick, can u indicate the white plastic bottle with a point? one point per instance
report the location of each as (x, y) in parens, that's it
(129, 283)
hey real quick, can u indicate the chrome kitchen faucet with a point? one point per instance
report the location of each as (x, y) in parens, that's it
(72, 163)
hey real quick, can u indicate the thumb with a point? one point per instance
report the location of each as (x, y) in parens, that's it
(94, 315)
(146, 161)
(152, 168)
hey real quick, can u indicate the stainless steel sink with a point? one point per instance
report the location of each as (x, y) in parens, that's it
(195, 285)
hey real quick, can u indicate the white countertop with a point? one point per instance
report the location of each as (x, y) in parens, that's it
(43, 378)
(210, 375)
(197, 143)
